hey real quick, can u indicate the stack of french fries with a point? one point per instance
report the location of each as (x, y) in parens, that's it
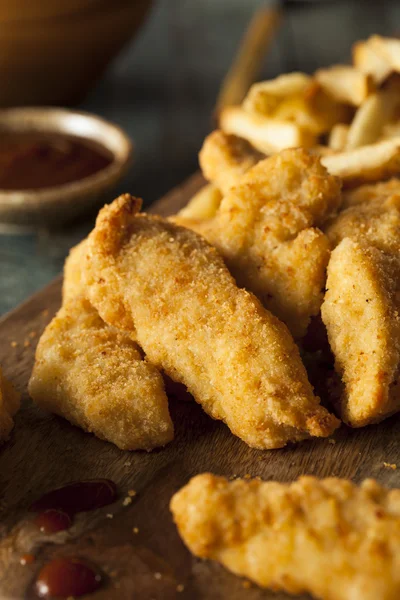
(349, 114)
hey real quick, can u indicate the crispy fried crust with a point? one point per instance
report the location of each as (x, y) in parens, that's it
(73, 285)
(95, 376)
(9, 406)
(360, 311)
(376, 222)
(328, 537)
(225, 158)
(239, 362)
(266, 231)
(379, 192)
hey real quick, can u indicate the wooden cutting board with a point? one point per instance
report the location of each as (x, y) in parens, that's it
(137, 545)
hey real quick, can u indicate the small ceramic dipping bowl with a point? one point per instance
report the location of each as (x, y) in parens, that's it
(55, 205)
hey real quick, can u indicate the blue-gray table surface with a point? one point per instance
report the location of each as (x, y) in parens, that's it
(162, 89)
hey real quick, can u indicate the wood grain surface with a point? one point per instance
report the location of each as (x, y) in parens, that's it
(137, 546)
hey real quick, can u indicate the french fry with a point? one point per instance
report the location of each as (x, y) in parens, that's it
(369, 163)
(338, 137)
(391, 130)
(345, 84)
(265, 96)
(265, 134)
(388, 48)
(297, 98)
(369, 60)
(203, 205)
(370, 119)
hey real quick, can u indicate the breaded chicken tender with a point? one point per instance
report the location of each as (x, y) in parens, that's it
(361, 314)
(170, 287)
(328, 537)
(379, 192)
(225, 158)
(376, 222)
(9, 406)
(266, 230)
(95, 376)
(73, 285)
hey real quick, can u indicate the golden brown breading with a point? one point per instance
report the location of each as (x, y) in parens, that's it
(9, 406)
(170, 286)
(376, 222)
(361, 314)
(329, 537)
(372, 192)
(95, 376)
(73, 285)
(225, 158)
(265, 230)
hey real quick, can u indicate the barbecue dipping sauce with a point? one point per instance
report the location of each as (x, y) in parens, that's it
(30, 161)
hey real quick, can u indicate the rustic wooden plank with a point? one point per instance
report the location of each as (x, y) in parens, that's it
(45, 451)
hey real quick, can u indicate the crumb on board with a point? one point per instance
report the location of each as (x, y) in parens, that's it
(135, 530)
(392, 466)
(157, 575)
(27, 344)
(246, 584)
(127, 463)
(331, 441)
(14, 344)
(180, 587)
(109, 516)
(45, 312)
(131, 493)
(127, 501)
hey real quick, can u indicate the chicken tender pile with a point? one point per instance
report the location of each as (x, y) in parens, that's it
(328, 537)
(171, 289)
(9, 406)
(266, 228)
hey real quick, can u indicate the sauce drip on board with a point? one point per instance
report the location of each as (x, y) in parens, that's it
(67, 577)
(57, 508)
(31, 161)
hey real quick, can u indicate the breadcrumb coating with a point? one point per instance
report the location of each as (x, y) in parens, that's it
(224, 158)
(95, 376)
(328, 537)
(73, 285)
(381, 192)
(374, 221)
(9, 405)
(172, 288)
(266, 230)
(361, 314)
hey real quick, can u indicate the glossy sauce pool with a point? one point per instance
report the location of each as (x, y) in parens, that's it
(32, 161)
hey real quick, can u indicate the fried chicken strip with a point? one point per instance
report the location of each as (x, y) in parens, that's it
(361, 314)
(9, 406)
(379, 192)
(374, 221)
(225, 158)
(328, 537)
(172, 288)
(95, 376)
(266, 230)
(73, 285)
